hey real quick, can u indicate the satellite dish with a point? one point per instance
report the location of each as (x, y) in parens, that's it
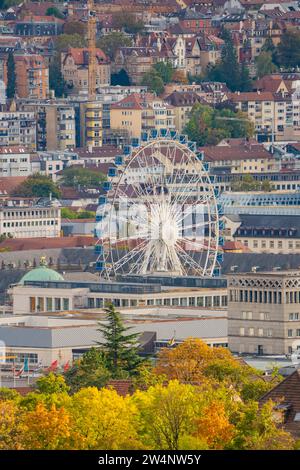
(295, 356)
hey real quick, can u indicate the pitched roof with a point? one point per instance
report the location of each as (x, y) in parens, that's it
(288, 393)
(251, 96)
(132, 101)
(183, 98)
(40, 243)
(9, 183)
(242, 152)
(81, 55)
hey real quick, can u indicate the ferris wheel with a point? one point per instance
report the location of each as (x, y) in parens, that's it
(160, 213)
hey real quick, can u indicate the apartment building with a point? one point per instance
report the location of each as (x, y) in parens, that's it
(137, 61)
(14, 161)
(75, 69)
(32, 76)
(18, 128)
(90, 127)
(39, 220)
(182, 102)
(136, 113)
(269, 233)
(275, 115)
(264, 312)
(242, 159)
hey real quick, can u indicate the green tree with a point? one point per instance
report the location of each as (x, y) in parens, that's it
(228, 69)
(37, 185)
(207, 126)
(89, 371)
(64, 41)
(75, 27)
(288, 50)
(264, 64)
(67, 213)
(110, 43)
(120, 78)
(74, 176)
(127, 21)
(56, 80)
(53, 11)
(257, 428)
(165, 71)
(11, 76)
(245, 81)
(154, 82)
(51, 383)
(121, 348)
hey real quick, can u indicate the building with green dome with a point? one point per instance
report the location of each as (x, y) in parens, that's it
(42, 273)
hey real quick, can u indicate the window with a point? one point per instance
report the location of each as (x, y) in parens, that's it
(297, 417)
(242, 331)
(290, 333)
(251, 331)
(269, 332)
(260, 332)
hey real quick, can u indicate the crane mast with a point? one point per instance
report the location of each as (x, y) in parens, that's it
(91, 50)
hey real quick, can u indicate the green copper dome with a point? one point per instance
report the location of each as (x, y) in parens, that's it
(42, 273)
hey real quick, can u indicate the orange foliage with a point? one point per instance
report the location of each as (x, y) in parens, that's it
(214, 427)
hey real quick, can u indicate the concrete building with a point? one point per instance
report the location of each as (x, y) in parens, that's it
(264, 312)
(182, 103)
(18, 129)
(55, 122)
(91, 124)
(14, 161)
(44, 339)
(32, 76)
(269, 233)
(38, 220)
(43, 290)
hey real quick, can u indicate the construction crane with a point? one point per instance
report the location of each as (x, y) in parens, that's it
(91, 50)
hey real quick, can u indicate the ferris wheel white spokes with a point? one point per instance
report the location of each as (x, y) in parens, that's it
(160, 214)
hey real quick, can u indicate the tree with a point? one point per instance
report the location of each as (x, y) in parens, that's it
(89, 371)
(78, 176)
(75, 27)
(51, 383)
(110, 43)
(46, 429)
(53, 11)
(208, 126)
(121, 349)
(67, 213)
(103, 420)
(258, 428)
(165, 71)
(64, 41)
(167, 414)
(227, 70)
(56, 80)
(245, 81)
(264, 64)
(10, 425)
(121, 78)
(154, 82)
(127, 21)
(37, 185)
(11, 77)
(214, 427)
(288, 50)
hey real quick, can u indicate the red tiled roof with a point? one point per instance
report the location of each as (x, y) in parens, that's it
(288, 392)
(9, 183)
(243, 152)
(122, 387)
(252, 96)
(80, 55)
(39, 243)
(132, 101)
